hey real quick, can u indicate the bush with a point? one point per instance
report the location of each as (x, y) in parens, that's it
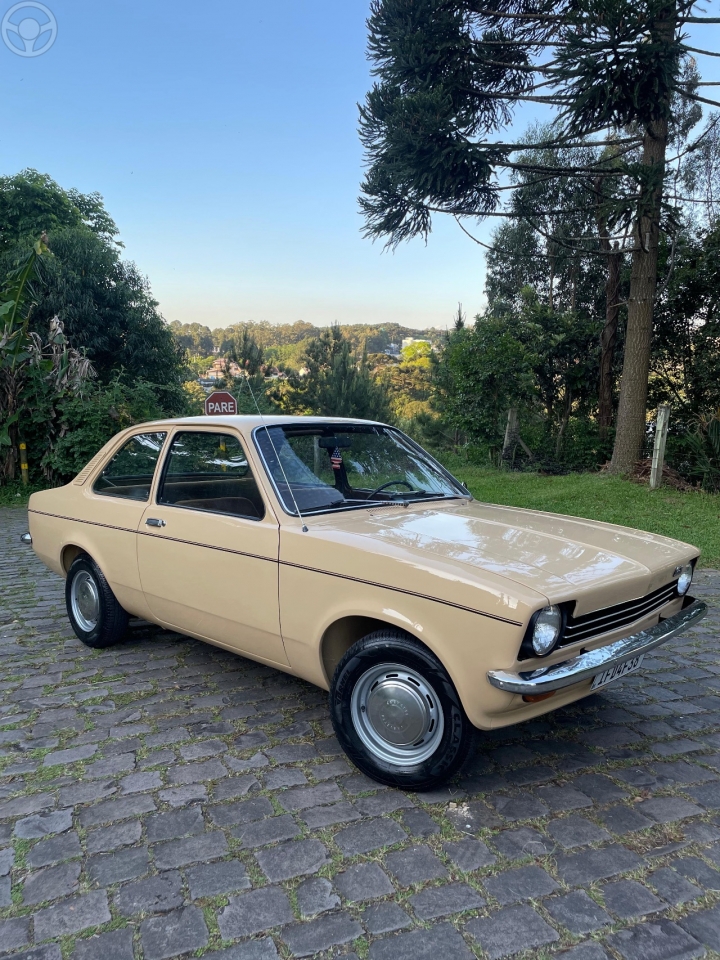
(88, 422)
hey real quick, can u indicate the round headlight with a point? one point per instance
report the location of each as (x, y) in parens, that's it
(685, 579)
(547, 630)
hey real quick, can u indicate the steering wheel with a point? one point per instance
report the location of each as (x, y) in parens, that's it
(390, 483)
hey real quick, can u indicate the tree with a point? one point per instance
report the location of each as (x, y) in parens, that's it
(532, 358)
(449, 73)
(193, 337)
(407, 383)
(554, 240)
(84, 423)
(337, 382)
(35, 373)
(686, 350)
(104, 302)
(32, 203)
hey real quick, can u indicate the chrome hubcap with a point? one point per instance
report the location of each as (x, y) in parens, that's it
(85, 601)
(396, 714)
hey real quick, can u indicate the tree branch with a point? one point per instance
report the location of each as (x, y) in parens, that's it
(704, 53)
(697, 99)
(693, 146)
(560, 142)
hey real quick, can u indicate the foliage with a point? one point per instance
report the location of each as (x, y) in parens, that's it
(67, 317)
(338, 382)
(531, 358)
(704, 444)
(686, 347)
(287, 342)
(448, 75)
(195, 338)
(35, 372)
(32, 203)
(104, 302)
(87, 422)
(194, 398)
(107, 306)
(407, 382)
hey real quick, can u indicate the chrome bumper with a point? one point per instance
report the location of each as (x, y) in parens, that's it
(586, 665)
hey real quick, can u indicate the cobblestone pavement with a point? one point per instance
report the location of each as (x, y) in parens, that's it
(165, 799)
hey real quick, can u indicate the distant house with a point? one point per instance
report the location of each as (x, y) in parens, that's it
(221, 369)
(408, 341)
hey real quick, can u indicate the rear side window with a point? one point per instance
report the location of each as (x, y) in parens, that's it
(130, 473)
(209, 471)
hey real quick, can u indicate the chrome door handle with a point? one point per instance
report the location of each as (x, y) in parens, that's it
(151, 522)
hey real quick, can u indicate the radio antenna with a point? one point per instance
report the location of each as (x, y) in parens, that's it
(275, 451)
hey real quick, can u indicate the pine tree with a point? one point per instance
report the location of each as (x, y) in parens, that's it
(448, 75)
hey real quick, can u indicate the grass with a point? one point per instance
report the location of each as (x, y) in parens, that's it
(15, 494)
(692, 517)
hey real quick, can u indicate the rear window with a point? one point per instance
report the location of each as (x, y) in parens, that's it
(129, 474)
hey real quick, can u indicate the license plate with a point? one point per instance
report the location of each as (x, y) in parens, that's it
(619, 670)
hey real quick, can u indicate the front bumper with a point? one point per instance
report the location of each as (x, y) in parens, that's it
(586, 665)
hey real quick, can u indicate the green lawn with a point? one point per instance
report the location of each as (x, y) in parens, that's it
(692, 517)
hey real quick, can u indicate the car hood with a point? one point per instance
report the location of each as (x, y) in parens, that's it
(564, 558)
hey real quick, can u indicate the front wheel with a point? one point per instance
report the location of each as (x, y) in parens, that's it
(397, 714)
(95, 615)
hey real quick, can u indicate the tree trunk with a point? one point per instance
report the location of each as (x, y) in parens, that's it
(631, 421)
(608, 337)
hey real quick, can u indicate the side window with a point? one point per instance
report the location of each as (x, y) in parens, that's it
(209, 471)
(130, 472)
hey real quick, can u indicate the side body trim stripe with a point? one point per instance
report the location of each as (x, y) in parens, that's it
(296, 566)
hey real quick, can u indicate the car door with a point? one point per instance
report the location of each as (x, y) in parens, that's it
(208, 547)
(112, 509)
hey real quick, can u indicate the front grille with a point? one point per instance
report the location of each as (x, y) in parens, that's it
(612, 618)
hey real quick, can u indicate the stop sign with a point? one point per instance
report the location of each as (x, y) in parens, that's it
(220, 402)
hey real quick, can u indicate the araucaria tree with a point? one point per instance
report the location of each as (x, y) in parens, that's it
(614, 73)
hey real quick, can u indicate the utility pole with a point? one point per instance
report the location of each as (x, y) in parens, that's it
(24, 469)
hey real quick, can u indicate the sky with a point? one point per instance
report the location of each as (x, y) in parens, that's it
(223, 137)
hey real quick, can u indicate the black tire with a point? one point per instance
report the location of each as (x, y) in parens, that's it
(362, 661)
(110, 623)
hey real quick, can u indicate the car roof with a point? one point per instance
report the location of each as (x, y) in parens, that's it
(250, 421)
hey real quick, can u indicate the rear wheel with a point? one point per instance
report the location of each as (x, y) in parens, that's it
(397, 714)
(95, 615)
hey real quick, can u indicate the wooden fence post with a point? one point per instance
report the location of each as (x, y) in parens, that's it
(658, 460)
(511, 435)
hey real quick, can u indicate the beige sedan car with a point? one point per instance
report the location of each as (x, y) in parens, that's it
(343, 553)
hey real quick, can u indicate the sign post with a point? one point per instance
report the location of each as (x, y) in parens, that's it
(220, 403)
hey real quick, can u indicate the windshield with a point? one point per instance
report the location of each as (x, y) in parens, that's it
(326, 467)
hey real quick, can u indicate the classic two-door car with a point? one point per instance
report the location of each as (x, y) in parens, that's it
(341, 552)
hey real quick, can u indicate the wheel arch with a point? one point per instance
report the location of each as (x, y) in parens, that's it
(70, 552)
(340, 635)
